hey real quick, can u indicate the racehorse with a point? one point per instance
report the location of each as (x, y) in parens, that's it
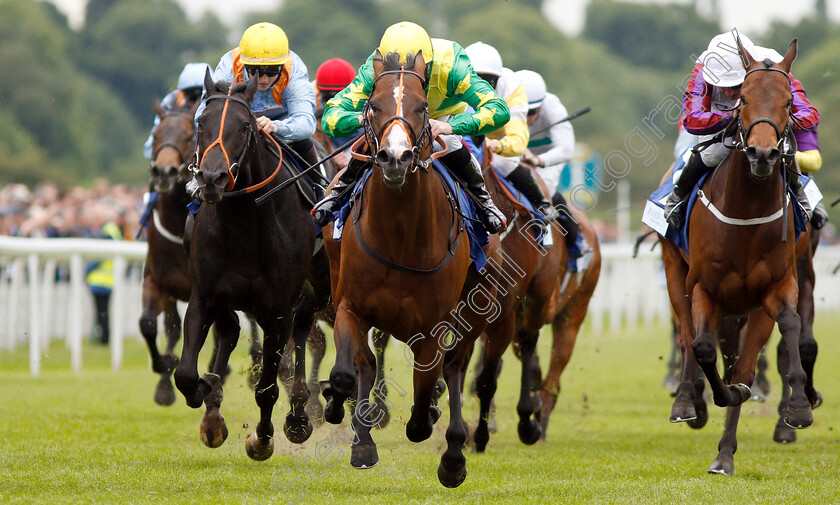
(250, 258)
(166, 277)
(534, 271)
(402, 266)
(743, 261)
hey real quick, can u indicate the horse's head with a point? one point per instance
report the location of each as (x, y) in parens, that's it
(172, 146)
(397, 116)
(226, 136)
(765, 109)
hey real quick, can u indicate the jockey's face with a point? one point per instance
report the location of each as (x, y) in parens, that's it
(268, 75)
(533, 115)
(733, 92)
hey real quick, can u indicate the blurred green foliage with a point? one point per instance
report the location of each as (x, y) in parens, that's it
(76, 104)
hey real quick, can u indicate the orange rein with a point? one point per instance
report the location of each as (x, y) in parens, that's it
(231, 177)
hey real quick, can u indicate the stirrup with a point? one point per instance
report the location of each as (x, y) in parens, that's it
(323, 210)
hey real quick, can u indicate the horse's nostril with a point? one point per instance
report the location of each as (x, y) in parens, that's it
(406, 157)
(752, 153)
(383, 158)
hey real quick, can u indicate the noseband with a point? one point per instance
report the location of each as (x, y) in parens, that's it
(418, 142)
(781, 134)
(233, 168)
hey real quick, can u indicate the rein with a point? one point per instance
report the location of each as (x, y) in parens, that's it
(249, 147)
(171, 144)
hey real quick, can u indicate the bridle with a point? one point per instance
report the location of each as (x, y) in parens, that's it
(781, 134)
(185, 159)
(418, 142)
(250, 145)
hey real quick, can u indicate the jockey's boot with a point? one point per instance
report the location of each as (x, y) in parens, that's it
(678, 199)
(566, 220)
(523, 179)
(464, 165)
(323, 210)
(817, 219)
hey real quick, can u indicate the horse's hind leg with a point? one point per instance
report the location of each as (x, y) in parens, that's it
(317, 343)
(197, 321)
(808, 347)
(161, 364)
(783, 433)
(298, 427)
(213, 430)
(380, 342)
(255, 351)
(798, 413)
(276, 329)
(363, 454)
(498, 340)
(724, 463)
(529, 399)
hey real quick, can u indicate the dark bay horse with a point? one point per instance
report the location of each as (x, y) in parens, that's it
(403, 266)
(256, 259)
(743, 261)
(166, 277)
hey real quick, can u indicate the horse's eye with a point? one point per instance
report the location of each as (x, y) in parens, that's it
(790, 103)
(742, 99)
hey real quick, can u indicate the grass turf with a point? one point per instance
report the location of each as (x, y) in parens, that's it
(97, 437)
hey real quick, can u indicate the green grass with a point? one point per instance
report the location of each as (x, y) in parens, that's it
(97, 437)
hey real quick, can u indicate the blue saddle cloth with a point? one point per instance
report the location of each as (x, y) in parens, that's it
(680, 236)
(539, 231)
(147, 212)
(478, 236)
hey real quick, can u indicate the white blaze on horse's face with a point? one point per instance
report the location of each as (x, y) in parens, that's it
(398, 139)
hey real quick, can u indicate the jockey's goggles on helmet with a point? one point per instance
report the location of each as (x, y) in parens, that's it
(264, 70)
(491, 79)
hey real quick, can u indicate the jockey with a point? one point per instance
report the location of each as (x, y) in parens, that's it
(509, 142)
(551, 146)
(331, 77)
(285, 101)
(190, 84)
(710, 105)
(451, 86)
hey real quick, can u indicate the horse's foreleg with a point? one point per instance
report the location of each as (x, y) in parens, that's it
(498, 340)
(453, 465)
(783, 433)
(256, 353)
(197, 322)
(276, 331)
(363, 454)
(213, 430)
(380, 342)
(807, 343)
(348, 333)
(428, 362)
(706, 317)
(161, 364)
(725, 461)
(565, 328)
(298, 427)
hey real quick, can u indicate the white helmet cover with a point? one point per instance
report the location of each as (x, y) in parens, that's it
(193, 75)
(485, 59)
(722, 65)
(535, 88)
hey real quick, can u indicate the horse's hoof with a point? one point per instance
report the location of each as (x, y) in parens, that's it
(816, 399)
(722, 467)
(213, 430)
(741, 393)
(364, 456)
(380, 414)
(529, 431)
(798, 418)
(784, 434)
(434, 413)
(297, 430)
(683, 411)
(481, 437)
(258, 450)
(702, 415)
(452, 478)
(440, 388)
(334, 411)
(167, 364)
(165, 393)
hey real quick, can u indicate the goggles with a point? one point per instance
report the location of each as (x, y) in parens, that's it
(264, 70)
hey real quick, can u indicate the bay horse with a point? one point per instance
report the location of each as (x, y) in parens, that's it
(534, 271)
(166, 277)
(256, 259)
(742, 261)
(403, 266)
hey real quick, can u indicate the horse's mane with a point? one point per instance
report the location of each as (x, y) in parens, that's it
(391, 61)
(223, 86)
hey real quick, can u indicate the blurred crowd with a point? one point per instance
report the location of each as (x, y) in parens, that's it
(47, 211)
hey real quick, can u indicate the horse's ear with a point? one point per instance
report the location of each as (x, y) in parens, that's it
(378, 63)
(419, 64)
(790, 55)
(157, 108)
(251, 88)
(209, 85)
(746, 57)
